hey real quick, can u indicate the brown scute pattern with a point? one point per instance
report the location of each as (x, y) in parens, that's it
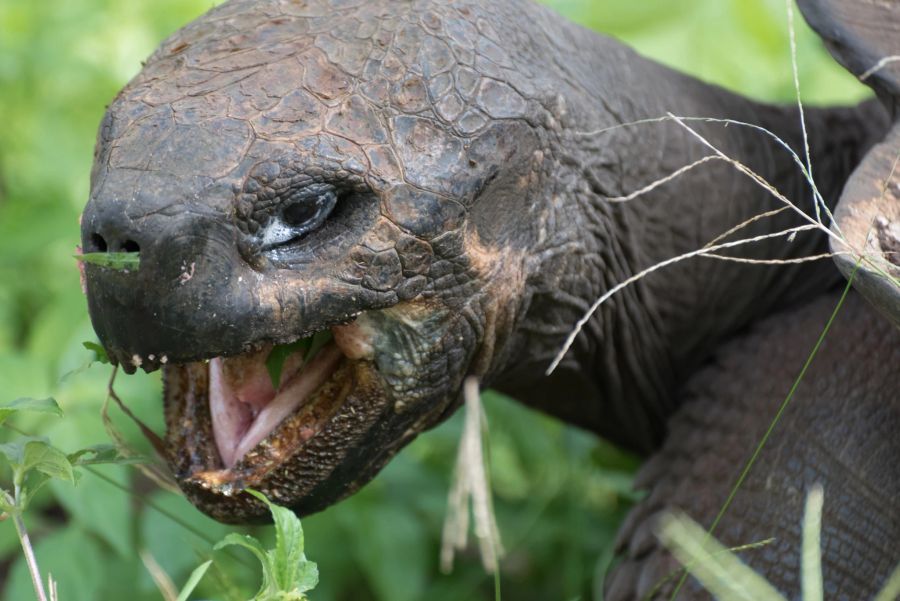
(840, 430)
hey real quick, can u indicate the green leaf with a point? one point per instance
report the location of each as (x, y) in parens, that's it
(47, 405)
(34, 461)
(32, 482)
(306, 577)
(310, 347)
(279, 354)
(287, 557)
(41, 456)
(287, 574)
(255, 547)
(14, 452)
(100, 355)
(193, 581)
(119, 261)
(101, 454)
(319, 340)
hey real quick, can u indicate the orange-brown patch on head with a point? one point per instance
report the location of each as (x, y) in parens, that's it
(502, 272)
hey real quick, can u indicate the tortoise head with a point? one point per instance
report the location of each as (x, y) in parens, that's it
(285, 169)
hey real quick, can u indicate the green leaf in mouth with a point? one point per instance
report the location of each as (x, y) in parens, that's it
(310, 347)
(120, 261)
(99, 352)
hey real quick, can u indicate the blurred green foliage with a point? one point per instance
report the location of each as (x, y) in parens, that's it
(560, 493)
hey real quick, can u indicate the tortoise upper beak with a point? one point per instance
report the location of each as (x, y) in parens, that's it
(186, 300)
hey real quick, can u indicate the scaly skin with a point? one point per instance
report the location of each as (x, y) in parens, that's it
(471, 228)
(839, 432)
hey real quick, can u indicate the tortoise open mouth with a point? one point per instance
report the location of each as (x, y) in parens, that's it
(245, 406)
(229, 428)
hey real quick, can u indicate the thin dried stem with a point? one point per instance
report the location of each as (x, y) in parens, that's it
(726, 122)
(664, 180)
(154, 472)
(744, 224)
(792, 37)
(643, 273)
(470, 481)
(160, 578)
(774, 261)
(760, 180)
(879, 66)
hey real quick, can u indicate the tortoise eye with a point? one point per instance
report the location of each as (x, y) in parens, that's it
(298, 215)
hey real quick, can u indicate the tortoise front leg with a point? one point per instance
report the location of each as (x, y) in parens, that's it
(840, 431)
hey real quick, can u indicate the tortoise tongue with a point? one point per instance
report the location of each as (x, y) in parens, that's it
(244, 405)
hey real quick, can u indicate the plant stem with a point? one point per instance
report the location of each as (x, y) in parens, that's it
(29, 552)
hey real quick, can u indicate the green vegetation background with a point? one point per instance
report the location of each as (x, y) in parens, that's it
(560, 492)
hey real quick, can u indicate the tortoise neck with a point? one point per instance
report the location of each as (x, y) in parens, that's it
(622, 373)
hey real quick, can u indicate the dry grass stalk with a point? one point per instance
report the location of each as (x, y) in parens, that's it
(470, 481)
(160, 577)
(707, 250)
(156, 472)
(879, 66)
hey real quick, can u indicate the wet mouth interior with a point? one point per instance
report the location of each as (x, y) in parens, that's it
(246, 406)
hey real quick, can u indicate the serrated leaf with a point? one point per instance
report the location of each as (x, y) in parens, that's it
(292, 572)
(119, 261)
(41, 456)
(307, 577)
(194, 580)
(288, 551)
(48, 405)
(100, 355)
(34, 461)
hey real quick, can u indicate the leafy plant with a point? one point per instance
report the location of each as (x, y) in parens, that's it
(287, 574)
(34, 462)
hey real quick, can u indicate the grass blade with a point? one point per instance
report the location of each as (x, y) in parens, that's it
(891, 590)
(719, 570)
(193, 581)
(811, 568)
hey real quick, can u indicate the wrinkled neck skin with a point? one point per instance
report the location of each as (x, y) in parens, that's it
(622, 374)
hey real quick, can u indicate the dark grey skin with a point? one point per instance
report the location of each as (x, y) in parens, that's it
(461, 146)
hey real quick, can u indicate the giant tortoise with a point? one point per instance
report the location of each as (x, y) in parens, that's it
(448, 187)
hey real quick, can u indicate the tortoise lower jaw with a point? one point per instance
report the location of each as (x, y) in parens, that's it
(287, 463)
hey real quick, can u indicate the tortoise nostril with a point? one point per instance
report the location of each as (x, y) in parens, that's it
(98, 244)
(130, 246)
